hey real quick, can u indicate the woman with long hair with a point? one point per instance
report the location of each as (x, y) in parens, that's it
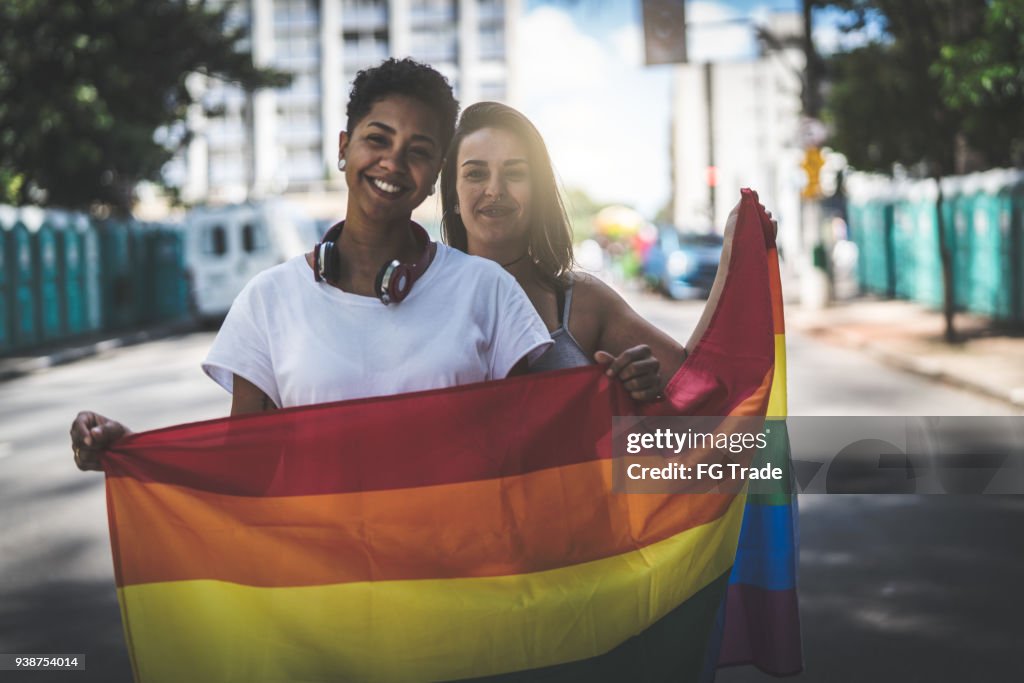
(501, 201)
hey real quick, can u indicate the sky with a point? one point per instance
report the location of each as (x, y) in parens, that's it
(604, 115)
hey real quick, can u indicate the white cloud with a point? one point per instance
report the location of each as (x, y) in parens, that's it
(556, 56)
(603, 115)
(629, 45)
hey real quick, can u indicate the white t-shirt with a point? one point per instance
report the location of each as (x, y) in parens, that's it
(301, 342)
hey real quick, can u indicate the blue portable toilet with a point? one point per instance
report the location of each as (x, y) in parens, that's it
(1017, 203)
(958, 196)
(21, 267)
(117, 276)
(8, 216)
(71, 264)
(877, 222)
(92, 286)
(46, 274)
(992, 252)
(171, 277)
(928, 285)
(905, 220)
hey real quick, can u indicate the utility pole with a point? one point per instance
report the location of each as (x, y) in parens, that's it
(816, 284)
(712, 171)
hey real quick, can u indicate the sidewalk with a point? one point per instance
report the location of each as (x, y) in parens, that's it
(12, 367)
(987, 360)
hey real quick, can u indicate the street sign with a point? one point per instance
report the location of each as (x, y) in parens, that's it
(812, 132)
(664, 31)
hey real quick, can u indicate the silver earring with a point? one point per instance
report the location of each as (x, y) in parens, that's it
(455, 208)
(341, 164)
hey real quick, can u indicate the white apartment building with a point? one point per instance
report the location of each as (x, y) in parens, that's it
(284, 141)
(754, 137)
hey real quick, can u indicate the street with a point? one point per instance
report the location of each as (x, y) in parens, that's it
(892, 588)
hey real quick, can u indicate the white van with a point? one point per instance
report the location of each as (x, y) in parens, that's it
(226, 246)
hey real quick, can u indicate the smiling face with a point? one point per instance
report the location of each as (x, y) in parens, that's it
(392, 159)
(494, 190)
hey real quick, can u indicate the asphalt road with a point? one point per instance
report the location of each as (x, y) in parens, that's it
(892, 588)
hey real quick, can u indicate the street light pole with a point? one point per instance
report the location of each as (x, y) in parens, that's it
(712, 170)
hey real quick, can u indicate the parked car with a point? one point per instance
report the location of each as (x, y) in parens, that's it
(682, 264)
(226, 246)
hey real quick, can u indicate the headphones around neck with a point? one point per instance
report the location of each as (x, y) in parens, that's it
(394, 281)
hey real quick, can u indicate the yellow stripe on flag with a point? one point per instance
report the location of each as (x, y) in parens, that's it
(420, 629)
(777, 399)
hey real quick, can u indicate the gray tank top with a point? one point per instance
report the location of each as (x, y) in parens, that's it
(565, 352)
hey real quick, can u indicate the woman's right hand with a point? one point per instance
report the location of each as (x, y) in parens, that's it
(91, 435)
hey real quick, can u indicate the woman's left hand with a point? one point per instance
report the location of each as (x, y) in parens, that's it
(636, 368)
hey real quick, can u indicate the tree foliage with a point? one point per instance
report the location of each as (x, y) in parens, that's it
(983, 79)
(943, 76)
(885, 102)
(88, 86)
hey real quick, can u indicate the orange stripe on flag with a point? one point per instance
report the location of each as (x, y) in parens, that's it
(529, 523)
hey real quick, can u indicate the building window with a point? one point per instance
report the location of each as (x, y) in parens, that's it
(432, 13)
(364, 14)
(490, 10)
(295, 13)
(253, 238)
(492, 41)
(439, 44)
(364, 48)
(215, 241)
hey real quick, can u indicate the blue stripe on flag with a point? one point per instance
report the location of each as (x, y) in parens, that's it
(766, 556)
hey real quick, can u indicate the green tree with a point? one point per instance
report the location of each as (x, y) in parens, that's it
(983, 80)
(93, 93)
(886, 102)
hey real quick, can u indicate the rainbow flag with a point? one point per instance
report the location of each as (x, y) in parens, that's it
(759, 620)
(463, 533)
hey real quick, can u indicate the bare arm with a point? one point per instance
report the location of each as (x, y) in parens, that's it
(247, 398)
(720, 276)
(639, 353)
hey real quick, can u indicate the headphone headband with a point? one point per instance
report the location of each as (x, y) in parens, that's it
(395, 279)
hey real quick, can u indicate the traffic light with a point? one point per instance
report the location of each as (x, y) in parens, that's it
(812, 163)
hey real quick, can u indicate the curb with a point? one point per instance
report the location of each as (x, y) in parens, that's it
(922, 367)
(20, 366)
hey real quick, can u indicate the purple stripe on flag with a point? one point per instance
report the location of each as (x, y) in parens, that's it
(762, 627)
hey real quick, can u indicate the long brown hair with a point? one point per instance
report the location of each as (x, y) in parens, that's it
(550, 236)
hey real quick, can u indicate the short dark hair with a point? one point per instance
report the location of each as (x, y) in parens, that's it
(550, 235)
(404, 77)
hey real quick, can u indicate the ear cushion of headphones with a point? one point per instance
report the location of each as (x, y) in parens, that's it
(329, 263)
(394, 281)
